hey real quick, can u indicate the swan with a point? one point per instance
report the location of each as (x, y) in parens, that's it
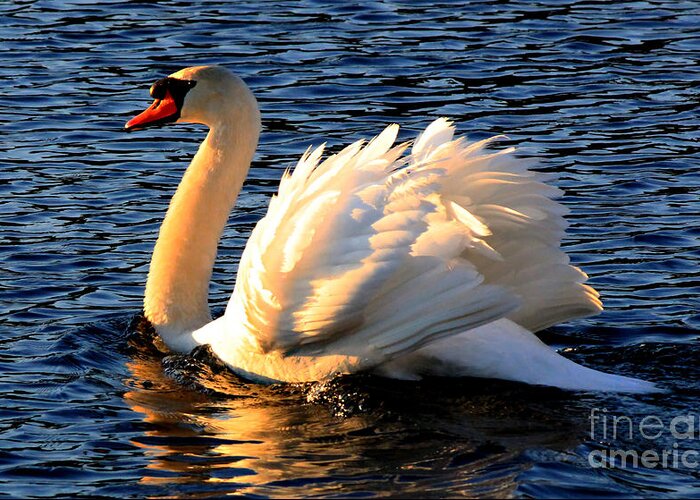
(441, 260)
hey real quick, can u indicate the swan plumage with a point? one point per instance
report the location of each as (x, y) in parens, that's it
(432, 258)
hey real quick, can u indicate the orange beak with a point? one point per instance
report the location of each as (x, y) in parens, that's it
(159, 112)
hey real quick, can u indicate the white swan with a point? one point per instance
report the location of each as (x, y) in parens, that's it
(438, 262)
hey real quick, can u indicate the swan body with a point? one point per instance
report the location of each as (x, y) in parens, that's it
(441, 260)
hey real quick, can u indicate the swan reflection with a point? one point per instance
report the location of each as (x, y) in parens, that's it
(205, 426)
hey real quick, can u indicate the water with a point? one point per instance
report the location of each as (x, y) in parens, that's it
(605, 93)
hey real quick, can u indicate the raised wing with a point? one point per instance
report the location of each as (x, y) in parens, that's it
(373, 254)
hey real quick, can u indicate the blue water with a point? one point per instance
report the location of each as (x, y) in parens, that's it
(604, 93)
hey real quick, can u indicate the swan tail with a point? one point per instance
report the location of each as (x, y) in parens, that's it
(505, 350)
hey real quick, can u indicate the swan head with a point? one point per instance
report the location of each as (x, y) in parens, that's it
(210, 95)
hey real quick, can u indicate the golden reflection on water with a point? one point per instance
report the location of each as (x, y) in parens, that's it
(271, 440)
(255, 437)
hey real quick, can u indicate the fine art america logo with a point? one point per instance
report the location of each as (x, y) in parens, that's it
(665, 437)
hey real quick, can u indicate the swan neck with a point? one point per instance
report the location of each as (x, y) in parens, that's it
(177, 289)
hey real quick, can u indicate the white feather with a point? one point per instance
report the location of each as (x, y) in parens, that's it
(357, 224)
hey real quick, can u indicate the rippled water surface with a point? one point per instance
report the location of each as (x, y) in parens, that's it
(605, 93)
